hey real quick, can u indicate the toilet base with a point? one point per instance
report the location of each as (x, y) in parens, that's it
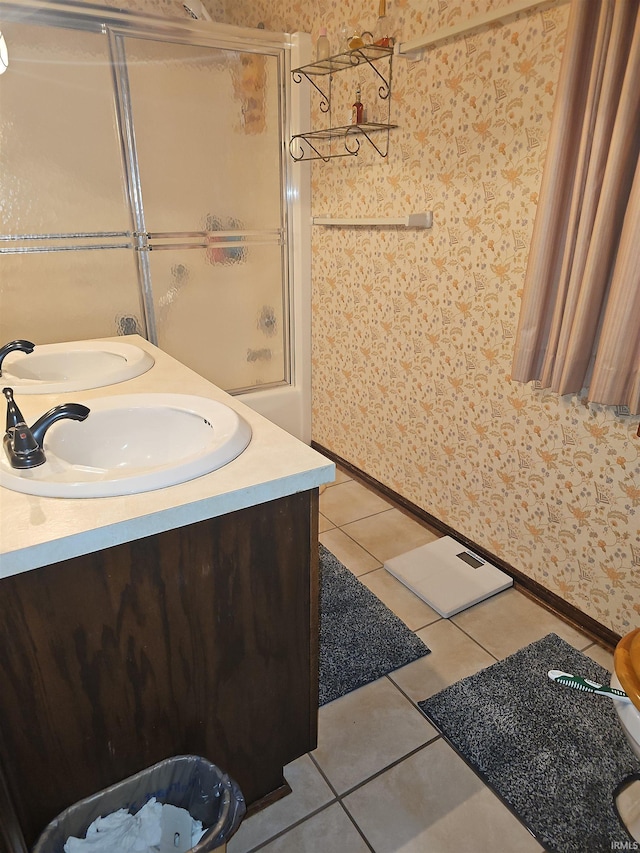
(627, 802)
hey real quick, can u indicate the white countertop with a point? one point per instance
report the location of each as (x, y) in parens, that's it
(37, 531)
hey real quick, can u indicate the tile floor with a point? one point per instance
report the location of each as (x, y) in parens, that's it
(381, 778)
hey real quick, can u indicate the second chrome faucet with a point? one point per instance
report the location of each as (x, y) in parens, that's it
(13, 346)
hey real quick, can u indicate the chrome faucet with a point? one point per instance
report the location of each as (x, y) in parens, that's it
(23, 346)
(24, 445)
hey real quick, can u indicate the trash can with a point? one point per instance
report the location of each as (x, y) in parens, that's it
(185, 781)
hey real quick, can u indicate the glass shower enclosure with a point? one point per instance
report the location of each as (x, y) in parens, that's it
(145, 188)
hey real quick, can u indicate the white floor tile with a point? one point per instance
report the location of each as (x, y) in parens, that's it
(509, 621)
(330, 831)
(389, 534)
(350, 554)
(432, 802)
(453, 656)
(324, 524)
(367, 730)
(350, 501)
(309, 792)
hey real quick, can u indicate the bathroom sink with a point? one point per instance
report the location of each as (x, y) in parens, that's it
(132, 443)
(73, 366)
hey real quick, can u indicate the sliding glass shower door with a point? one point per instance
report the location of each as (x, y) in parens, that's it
(142, 186)
(207, 131)
(67, 264)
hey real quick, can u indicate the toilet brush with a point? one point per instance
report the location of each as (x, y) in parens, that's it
(587, 686)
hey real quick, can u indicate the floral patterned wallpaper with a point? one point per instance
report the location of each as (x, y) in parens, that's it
(413, 330)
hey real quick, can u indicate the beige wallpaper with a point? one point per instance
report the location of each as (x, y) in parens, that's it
(413, 331)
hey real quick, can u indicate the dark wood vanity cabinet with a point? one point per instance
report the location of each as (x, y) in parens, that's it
(199, 640)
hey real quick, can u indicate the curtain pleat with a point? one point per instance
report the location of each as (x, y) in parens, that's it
(543, 296)
(616, 373)
(585, 205)
(591, 151)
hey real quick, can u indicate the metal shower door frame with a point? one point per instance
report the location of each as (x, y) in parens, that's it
(219, 37)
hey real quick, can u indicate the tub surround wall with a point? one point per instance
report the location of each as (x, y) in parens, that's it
(413, 331)
(183, 620)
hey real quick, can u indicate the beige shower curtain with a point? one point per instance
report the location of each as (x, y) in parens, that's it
(580, 317)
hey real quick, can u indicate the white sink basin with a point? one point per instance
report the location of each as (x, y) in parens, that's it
(73, 366)
(132, 443)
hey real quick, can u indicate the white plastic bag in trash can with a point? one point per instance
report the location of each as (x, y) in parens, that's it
(186, 781)
(156, 828)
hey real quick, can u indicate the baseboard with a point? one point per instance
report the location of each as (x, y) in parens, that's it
(575, 617)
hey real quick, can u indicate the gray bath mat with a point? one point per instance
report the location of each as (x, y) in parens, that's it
(553, 754)
(360, 638)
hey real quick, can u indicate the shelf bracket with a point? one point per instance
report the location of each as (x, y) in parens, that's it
(362, 132)
(385, 90)
(300, 137)
(325, 102)
(303, 155)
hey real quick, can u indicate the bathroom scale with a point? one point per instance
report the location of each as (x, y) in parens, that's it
(448, 576)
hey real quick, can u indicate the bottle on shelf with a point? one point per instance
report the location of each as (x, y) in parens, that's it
(357, 110)
(345, 34)
(322, 45)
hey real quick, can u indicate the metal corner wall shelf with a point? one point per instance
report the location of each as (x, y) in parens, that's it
(318, 144)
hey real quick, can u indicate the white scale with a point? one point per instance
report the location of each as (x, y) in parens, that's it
(448, 576)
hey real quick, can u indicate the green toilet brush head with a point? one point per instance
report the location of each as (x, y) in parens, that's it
(587, 686)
